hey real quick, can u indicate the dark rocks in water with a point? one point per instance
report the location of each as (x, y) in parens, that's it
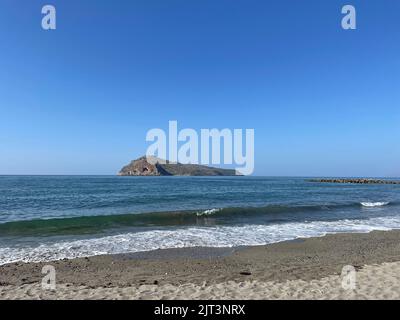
(358, 180)
(153, 166)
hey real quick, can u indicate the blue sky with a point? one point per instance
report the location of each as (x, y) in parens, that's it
(80, 99)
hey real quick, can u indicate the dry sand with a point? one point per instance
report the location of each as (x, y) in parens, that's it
(304, 269)
(372, 282)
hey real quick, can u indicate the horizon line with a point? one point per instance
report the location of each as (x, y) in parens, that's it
(261, 176)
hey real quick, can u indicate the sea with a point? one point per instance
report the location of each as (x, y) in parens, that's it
(44, 218)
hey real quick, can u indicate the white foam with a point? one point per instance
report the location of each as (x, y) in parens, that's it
(223, 236)
(374, 204)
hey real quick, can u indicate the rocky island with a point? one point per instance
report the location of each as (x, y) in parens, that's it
(153, 166)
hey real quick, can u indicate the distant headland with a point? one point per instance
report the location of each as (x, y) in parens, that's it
(152, 166)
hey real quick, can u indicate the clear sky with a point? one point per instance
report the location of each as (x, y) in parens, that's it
(80, 99)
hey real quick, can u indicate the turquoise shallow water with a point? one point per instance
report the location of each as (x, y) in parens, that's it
(50, 217)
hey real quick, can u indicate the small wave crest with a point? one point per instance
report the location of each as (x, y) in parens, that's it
(208, 212)
(374, 204)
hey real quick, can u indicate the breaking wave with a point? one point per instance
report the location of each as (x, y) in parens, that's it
(88, 225)
(374, 204)
(220, 236)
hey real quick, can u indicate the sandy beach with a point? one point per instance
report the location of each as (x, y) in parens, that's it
(301, 269)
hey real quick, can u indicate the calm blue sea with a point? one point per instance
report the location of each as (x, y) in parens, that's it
(53, 217)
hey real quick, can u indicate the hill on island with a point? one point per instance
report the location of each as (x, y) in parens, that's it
(153, 166)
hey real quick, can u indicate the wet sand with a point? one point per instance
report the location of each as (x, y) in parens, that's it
(303, 269)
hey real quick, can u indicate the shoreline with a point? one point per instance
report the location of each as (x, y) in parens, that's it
(307, 260)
